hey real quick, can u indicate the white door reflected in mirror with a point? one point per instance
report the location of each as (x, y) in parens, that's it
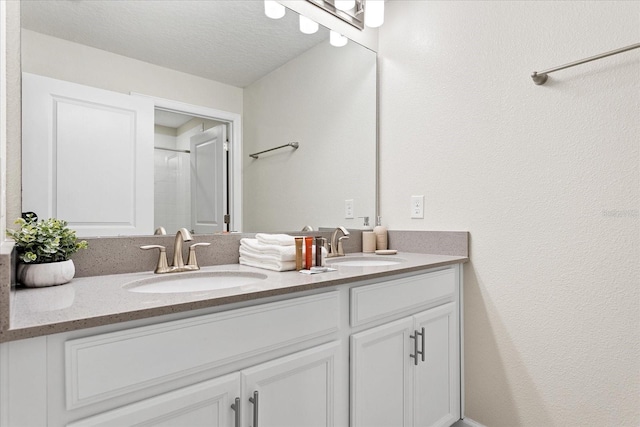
(208, 180)
(86, 157)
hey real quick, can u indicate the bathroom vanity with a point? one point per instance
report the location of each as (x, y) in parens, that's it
(364, 345)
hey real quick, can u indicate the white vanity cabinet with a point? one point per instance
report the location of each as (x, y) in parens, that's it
(283, 360)
(377, 352)
(406, 372)
(295, 390)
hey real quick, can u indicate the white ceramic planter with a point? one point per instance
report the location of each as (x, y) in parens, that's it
(50, 274)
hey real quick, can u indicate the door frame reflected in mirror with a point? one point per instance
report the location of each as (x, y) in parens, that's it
(234, 137)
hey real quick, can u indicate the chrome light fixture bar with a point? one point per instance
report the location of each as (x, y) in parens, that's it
(353, 16)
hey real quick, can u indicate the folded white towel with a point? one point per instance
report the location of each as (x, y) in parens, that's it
(269, 265)
(247, 252)
(278, 253)
(284, 253)
(276, 239)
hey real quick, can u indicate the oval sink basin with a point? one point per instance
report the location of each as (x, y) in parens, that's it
(377, 261)
(193, 282)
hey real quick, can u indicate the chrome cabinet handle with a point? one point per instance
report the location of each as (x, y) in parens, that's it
(417, 352)
(236, 407)
(414, 356)
(254, 400)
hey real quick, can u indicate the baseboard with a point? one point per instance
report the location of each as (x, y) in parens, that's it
(468, 422)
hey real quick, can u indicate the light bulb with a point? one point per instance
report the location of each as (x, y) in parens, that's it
(374, 13)
(336, 39)
(345, 4)
(273, 9)
(308, 26)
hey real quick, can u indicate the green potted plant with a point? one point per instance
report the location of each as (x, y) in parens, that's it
(44, 248)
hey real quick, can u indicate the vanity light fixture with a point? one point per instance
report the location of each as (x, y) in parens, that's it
(374, 13)
(273, 9)
(336, 39)
(355, 12)
(308, 26)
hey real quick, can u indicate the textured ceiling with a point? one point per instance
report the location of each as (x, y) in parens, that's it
(232, 42)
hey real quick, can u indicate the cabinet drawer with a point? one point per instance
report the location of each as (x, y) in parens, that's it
(377, 301)
(108, 365)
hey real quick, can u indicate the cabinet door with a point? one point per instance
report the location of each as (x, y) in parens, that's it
(436, 400)
(381, 375)
(294, 391)
(204, 404)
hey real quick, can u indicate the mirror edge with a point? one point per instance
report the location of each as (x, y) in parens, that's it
(12, 115)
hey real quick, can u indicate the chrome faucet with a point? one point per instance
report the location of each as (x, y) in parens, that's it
(336, 248)
(182, 236)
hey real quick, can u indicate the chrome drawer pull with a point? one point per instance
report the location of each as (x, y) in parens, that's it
(414, 356)
(417, 352)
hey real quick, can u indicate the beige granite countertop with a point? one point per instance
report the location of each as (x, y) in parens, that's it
(101, 300)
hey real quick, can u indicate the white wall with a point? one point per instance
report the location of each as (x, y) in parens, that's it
(52, 57)
(335, 126)
(546, 179)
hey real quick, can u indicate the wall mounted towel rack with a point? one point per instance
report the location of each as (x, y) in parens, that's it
(540, 77)
(295, 146)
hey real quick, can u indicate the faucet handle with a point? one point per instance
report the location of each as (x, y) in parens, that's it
(192, 262)
(163, 264)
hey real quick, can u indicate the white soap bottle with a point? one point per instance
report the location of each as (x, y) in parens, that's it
(381, 235)
(369, 238)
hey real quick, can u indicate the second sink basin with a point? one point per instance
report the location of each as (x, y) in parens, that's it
(374, 261)
(193, 282)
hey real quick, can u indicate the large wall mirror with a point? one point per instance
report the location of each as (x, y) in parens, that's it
(151, 109)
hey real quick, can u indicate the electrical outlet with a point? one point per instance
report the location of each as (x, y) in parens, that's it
(417, 206)
(348, 209)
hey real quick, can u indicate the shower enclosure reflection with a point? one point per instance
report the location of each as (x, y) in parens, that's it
(186, 173)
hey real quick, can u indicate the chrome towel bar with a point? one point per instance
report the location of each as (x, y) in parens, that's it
(295, 146)
(540, 77)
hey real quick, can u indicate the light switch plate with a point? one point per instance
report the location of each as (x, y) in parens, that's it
(348, 209)
(417, 206)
